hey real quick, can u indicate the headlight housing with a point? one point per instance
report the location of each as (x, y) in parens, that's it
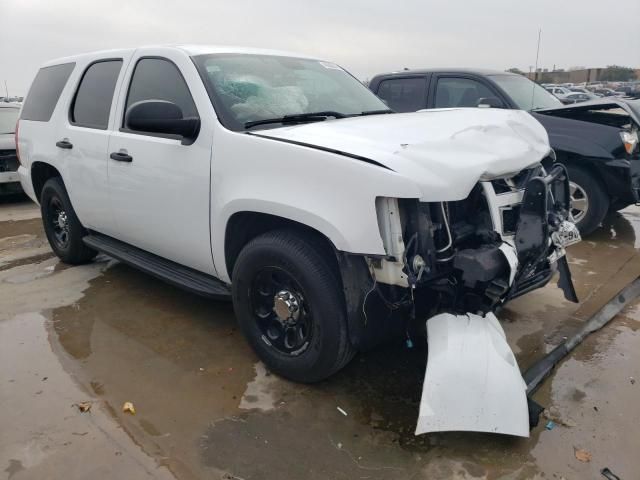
(630, 140)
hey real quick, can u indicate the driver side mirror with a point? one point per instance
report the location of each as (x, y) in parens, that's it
(490, 102)
(163, 117)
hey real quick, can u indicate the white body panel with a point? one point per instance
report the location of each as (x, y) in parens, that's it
(472, 382)
(445, 151)
(160, 201)
(331, 193)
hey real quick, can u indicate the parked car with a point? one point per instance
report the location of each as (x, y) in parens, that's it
(9, 180)
(627, 91)
(598, 142)
(577, 97)
(605, 92)
(585, 90)
(559, 92)
(283, 183)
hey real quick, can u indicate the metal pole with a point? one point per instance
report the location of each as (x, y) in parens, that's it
(533, 87)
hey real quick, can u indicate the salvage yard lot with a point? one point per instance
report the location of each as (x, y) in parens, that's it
(205, 407)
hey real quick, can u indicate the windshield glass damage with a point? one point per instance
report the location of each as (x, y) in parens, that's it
(254, 88)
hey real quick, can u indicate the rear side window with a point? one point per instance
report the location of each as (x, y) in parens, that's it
(45, 92)
(403, 94)
(159, 79)
(92, 103)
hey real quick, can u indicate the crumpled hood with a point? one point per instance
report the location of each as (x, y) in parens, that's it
(632, 107)
(446, 152)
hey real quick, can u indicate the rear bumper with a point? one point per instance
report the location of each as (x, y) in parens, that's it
(8, 167)
(9, 177)
(24, 176)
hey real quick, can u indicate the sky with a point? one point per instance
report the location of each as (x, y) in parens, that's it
(365, 37)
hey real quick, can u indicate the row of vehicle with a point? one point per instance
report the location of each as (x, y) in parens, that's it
(568, 95)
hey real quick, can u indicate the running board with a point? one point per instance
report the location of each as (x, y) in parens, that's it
(171, 272)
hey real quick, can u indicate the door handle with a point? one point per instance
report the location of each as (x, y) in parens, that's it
(121, 157)
(65, 144)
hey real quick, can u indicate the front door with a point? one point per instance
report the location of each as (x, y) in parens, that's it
(159, 185)
(458, 91)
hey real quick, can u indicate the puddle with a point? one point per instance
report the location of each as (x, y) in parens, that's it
(43, 430)
(259, 393)
(207, 408)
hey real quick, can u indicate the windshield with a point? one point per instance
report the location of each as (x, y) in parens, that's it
(248, 88)
(526, 94)
(8, 119)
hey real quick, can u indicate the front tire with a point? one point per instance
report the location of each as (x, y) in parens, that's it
(290, 306)
(589, 201)
(61, 225)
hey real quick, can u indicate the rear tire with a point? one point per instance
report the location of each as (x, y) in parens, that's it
(61, 225)
(590, 202)
(278, 272)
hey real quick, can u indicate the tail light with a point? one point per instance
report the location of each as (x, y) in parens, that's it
(16, 139)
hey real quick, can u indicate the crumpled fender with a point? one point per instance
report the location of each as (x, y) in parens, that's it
(472, 382)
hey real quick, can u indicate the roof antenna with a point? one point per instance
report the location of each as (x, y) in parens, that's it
(535, 74)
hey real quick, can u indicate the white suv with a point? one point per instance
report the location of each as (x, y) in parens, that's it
(283, 183)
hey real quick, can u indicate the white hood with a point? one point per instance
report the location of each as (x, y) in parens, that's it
(446, 152)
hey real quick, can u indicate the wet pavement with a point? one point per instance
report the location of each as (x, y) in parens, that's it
(206, 408)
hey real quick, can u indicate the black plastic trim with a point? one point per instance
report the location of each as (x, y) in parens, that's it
(122, 128)
(171, 272)
(324, 149)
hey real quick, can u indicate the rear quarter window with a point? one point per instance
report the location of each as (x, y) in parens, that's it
(45, 92)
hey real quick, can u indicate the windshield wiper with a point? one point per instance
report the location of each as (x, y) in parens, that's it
(377, 112)
(298, 117)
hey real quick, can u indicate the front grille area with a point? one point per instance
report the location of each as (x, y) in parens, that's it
(515, 183)
(8, 161)
(510, 218)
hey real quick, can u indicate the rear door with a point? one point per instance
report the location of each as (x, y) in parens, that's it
(83, 139)
(159, 184)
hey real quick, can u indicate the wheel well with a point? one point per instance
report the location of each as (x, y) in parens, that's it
(583, 163)
(243, 227)
(40, 173)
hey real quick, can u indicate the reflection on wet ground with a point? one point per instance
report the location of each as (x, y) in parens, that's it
(206, 408)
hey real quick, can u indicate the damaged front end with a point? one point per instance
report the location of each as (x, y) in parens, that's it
(468, 258)
(506, 238)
